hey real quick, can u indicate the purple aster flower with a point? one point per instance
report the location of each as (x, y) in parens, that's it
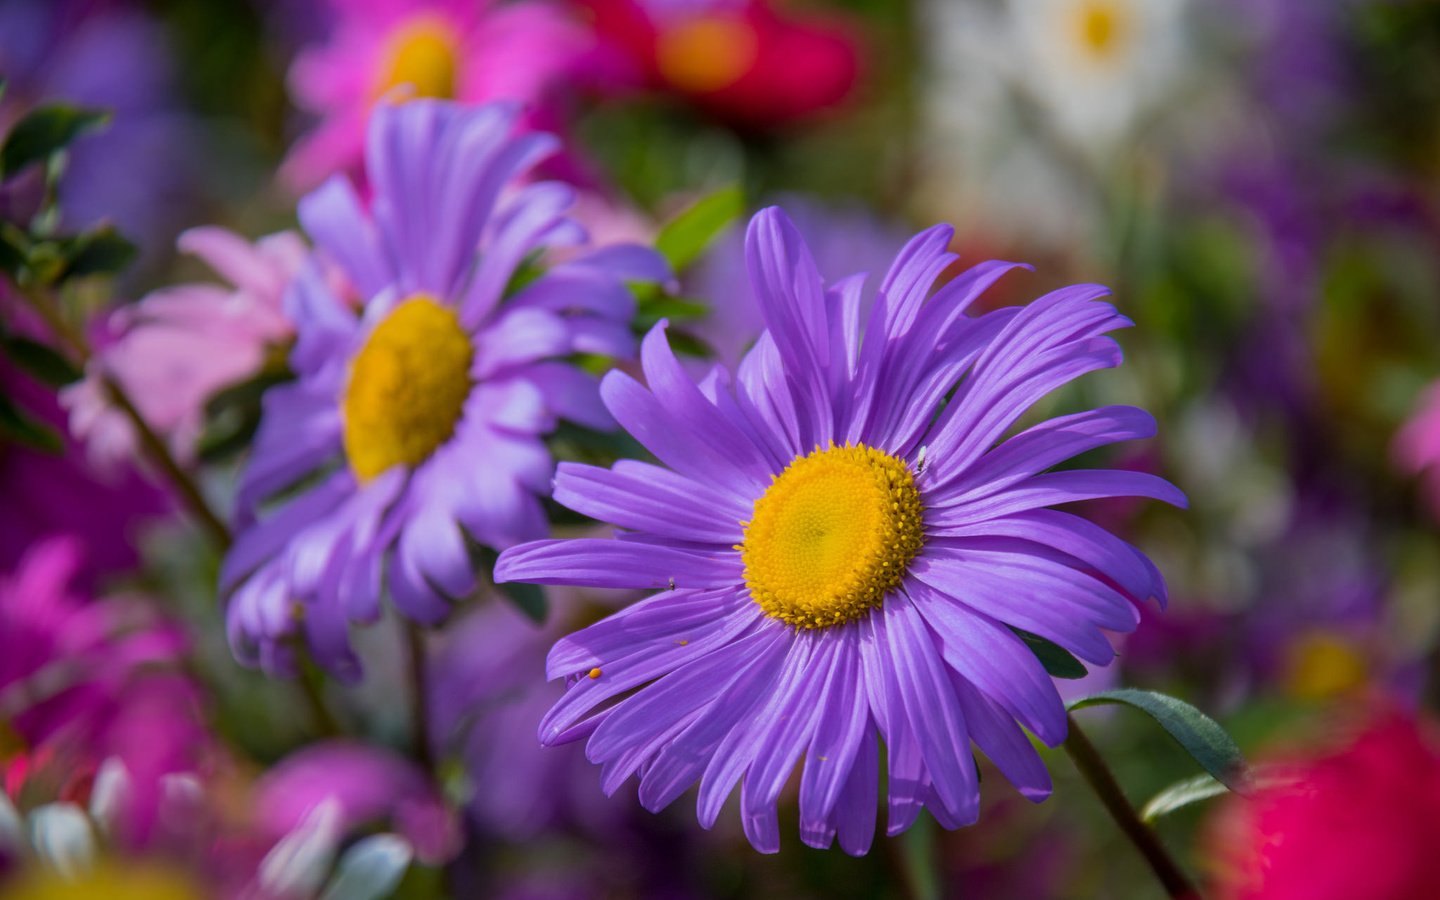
(416, 427)
(843, 240)
(843, 555)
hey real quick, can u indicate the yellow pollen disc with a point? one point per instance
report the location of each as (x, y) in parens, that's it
(832, 535)
(1320, 665)
(706, 53)
(423, 53)
(1101, 27)
(407, 387)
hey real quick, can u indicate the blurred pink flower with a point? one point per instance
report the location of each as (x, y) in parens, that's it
(178, 346)
(1359, 821)
(370, 784)
(83, 681)
(1417, 445)
(472, 51)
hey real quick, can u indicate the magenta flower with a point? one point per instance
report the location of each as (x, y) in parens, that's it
(842, 555)
(50, 495)
(473, 51)
(178, 346)
(1417, 446)
(92, 680)
(370, 784)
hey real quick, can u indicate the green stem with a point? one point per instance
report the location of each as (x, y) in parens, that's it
(1088, 760)
(151, 443)
(419, 695)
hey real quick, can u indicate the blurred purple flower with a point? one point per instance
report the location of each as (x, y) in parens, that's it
(108, 55)
(490, 692)
(442, 368)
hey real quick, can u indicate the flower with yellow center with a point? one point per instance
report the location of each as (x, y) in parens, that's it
(832, 536)
(1102, 29)
(407, 387)
(414, 431)
(424, 54)
(812, 603)
(706, 53)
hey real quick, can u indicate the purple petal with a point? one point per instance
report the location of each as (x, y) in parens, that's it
(594, 562)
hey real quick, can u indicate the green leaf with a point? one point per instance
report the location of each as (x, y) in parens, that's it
(45, 131)
(1056, 659)
(1182, 794)
(528, 598)
(672, 308)
(101, 250)
(19, 426)
(1201, 736)
(685, 237)
(39, 360)
(14, 247)
(1202, 787)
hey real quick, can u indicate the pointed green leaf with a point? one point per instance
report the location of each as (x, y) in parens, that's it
(1201, 736)
(1204, 786)
(1182, 794)
(18, 425)
(39, 360)
(685, 237)
(1056, 659)
(101, 250)
(528, 598)
(44, 131)
(672, 308)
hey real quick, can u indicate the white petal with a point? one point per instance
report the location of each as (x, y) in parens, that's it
(110, 795)
(371, 869)
(299, 861)
(63, 838)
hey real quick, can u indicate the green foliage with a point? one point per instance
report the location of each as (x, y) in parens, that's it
(38, 360)
(45, 131)
(1056, 659)
(1200, 736)
(18, 425)
(684, 238)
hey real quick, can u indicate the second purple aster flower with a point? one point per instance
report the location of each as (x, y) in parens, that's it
(415, 424)
(845, 549)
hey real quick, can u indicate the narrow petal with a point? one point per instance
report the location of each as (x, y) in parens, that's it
(595, 562)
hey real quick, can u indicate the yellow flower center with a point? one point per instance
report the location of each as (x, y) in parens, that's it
(407, 387)
(130, 880)
(1102, 28)
(832, 535)
(706, 53)
(1321, 664)
(423, 53)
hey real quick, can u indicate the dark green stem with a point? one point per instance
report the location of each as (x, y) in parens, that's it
(419, 695)
(1088, 760)
(151, 443)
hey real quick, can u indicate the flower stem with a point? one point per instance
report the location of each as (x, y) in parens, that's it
(419, 695)
(1088, 760)
(150, 442)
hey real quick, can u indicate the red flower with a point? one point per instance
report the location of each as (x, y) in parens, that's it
(743, 62)
(1358, 822)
